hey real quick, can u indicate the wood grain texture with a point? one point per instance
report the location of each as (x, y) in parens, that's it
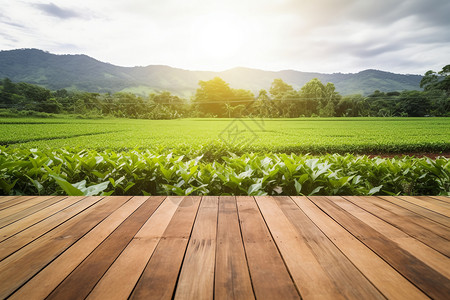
(437, 200)
(308, 274)
(8, 201)
(4, 199)
(432, 234)
(196, 280)
(429, 214)
(160, 275)
(427, 279)
(387, 280)
(428, 255)
(31, 220)
(270, 277)
(41, 285)
(118, 282)
(445, 199)
(227, 247)
(429, 203)
(232, 277)
(19, 240)
(23, 204)
(347, 280)
(81, 281)
(17, 212)
(25, 263)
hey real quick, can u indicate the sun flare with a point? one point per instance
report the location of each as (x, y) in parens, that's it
(219, 36)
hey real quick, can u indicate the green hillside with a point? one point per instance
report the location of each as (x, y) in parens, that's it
(84, 73)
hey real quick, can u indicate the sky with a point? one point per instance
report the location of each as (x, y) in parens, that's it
(327, 36)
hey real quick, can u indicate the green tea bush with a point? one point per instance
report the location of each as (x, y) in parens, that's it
(73, 171)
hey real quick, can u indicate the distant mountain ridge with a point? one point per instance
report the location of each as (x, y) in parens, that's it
(85, 73)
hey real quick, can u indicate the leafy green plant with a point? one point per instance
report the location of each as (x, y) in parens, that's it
(74, 171)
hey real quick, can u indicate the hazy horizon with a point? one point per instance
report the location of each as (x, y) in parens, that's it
(341, 36)
(213, 71)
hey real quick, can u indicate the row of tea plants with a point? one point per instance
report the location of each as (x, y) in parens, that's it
(72, 171)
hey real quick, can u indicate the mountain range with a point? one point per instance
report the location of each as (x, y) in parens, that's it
(81, 72)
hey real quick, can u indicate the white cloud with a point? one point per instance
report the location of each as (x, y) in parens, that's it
(324, 35)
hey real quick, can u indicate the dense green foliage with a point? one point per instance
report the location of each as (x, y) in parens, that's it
(90, 172)
(404, 104)
(217, 136)
(437, 81)
(23, 98)
(193, 156)
(215, 98)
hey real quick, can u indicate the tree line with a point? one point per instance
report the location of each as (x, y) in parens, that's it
(215, 98)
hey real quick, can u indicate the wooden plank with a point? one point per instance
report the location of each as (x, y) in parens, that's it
(436, 201)
(81, 281)
(429, 256)
(19, 240)
(9, 201)
(270, 278)
(232, 277)
(20, 211)
(196, 280)
(308, 274)
(445, 199)
(41, 285)
(37, 217)
(47, 267)
(23, 203)
(160, 275)
(4, 199)
(433, 283)
(17, 268)
(325, 259)
(428, 203)
(441, 219)
(430, 233)
(120, 279)
(387, 280)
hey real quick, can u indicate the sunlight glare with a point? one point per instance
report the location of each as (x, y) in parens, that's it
(218, 36)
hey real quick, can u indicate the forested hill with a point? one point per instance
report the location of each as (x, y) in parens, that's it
(84, 73)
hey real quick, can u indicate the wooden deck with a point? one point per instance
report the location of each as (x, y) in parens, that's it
(224, 247)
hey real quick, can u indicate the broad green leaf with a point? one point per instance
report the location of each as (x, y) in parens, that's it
(7, 187)
(375, 190)
(303, 178)
(37, 184)
(96, 189)
(129, 186)
(254, 188)
(67, 187)
(315, 191)
(298, 186)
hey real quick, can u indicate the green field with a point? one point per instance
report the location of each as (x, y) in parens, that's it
(311, 135)
(64, 156)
